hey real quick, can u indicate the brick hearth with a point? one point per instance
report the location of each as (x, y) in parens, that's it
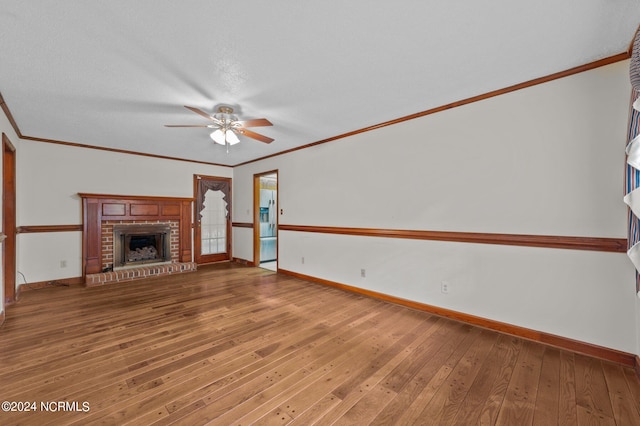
(138, 273)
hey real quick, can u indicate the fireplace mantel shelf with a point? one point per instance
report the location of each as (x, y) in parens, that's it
(133, 197)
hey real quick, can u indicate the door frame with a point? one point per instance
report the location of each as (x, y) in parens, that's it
(256, 216)
(197, 242)
(9, 220)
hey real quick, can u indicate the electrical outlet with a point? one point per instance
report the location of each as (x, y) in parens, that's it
(363, 273)
(63, 263)
(303, 260)
(444, 287)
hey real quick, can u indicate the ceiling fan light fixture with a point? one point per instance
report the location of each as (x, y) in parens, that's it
(218, 136)
(232, 139)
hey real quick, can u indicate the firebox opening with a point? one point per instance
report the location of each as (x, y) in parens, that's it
(141, 244)
(142, 247)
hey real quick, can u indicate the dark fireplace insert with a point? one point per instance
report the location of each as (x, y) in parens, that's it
(141, 244)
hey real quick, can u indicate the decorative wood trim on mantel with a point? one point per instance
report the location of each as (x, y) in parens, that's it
(526, 333)
(97, 208)
(616, 245)
(30, 229)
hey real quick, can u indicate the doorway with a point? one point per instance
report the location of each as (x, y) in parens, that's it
(9, 219)
(265, 219)
(212, 221)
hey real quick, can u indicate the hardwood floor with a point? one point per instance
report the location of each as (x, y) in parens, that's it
(231, 344)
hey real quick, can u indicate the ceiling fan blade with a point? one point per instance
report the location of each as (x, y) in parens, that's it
(255, 123)
(186, 125)
(204, 114)
(254, 135)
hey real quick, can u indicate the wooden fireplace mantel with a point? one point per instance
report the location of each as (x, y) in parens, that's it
(97, 208)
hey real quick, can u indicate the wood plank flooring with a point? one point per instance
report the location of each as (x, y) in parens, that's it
(235, 345)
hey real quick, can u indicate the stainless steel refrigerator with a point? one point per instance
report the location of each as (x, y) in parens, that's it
(268, 205)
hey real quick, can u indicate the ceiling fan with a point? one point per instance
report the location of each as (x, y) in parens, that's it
(226, 126)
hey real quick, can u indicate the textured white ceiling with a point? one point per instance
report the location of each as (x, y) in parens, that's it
(112, 73)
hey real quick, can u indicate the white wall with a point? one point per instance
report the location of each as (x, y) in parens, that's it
(545, 160)
(49, 178)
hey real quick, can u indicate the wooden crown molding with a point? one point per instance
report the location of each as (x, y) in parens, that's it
(9, 116)
(119, 151)
(575, 70)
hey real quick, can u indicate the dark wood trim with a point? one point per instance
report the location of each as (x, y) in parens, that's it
(186, 229)
(47, 228)
(575, 70)
(256, 219)
(91, 235)
(9, 264)
(7, 112)
(256, 215)
(244, 261)
(637, 366)
(198, 257)
(9, 116)
(62, 282)
(526, 333)
(242, 225)
(616, 245)
(117, 150)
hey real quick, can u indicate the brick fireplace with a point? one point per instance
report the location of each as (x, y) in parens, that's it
(130, 237)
